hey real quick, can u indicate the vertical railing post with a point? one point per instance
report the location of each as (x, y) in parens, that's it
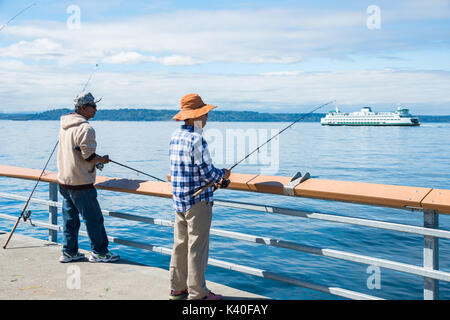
(430, 255)
(53, 211)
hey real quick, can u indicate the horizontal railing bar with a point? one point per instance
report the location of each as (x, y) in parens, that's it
(227, 265)
(393, 265)
(388, 264)
(397, 266)
(32, 222)
(336, 218)
(35, 200)
(133, 217)
(253, 271)
(423, 231)
(273, 276)
(402, 267)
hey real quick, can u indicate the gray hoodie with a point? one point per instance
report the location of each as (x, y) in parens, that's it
(74, 167)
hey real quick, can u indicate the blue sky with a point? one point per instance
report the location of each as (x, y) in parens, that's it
(277, 56)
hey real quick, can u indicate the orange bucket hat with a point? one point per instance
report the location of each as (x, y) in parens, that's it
(192, 106)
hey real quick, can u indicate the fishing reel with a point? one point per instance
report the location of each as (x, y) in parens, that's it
(26, 215)
(98, 165)
(224, 183)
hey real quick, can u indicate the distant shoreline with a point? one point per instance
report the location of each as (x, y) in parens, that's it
(166, 115)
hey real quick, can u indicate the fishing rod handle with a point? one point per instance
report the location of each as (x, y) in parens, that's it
(206, 187)
(223, 184)
(210, 184)
(11, 233)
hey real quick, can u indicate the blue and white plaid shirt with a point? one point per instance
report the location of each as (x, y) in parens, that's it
(191, 168)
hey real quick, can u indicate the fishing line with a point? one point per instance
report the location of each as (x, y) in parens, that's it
(26, 214)
(225, 183)
(18, 14)
(90, 77)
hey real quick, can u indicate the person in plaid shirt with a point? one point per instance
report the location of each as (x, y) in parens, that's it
(191, 168)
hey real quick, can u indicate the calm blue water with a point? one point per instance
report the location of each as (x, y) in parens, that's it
(412, 156)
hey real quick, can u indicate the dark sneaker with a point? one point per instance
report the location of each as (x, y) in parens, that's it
(107, 257)
(212, 296)
(178, 295)
(65, 257)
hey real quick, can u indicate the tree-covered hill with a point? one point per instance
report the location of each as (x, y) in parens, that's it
(166, 115)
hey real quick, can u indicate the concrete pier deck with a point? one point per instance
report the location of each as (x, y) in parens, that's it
(30, 270)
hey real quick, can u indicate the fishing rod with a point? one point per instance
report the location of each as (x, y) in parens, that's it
(18, 14)
(100, 166)
(120, 164)
(225, 183)
(27, 214)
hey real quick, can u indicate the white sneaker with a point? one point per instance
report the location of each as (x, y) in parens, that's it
(107, 257)
(65, 257)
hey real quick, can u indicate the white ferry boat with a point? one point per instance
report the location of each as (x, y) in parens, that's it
(366, 117)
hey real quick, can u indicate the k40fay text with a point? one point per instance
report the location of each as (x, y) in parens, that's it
(229, 309)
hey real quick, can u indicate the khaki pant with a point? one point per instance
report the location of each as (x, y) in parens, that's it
(190, 250)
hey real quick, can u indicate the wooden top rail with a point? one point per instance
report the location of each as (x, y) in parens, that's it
(355, 192)
(150, 188)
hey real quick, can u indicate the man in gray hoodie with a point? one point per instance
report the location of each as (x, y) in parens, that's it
(76, 177)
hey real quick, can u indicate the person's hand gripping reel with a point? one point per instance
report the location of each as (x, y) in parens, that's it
(98, 165)
(224, 182)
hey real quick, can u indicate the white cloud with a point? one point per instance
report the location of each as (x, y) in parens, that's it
(134, 57)
(277, 60)
(176, 60)
(244, 36)
(13, 65)
(274, 36)
(41, 89)
(281, 73)
(124, 57)
(36, 49)
(235, 37)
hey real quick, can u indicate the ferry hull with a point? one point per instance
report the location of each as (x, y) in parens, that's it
(372, 125)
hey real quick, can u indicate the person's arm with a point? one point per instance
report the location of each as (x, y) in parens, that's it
(202, 159)
(87, 145)
(95, 158)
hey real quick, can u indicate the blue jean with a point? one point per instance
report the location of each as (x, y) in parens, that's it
(84, 202)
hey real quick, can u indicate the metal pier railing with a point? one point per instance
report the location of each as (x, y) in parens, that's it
(430, 233)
